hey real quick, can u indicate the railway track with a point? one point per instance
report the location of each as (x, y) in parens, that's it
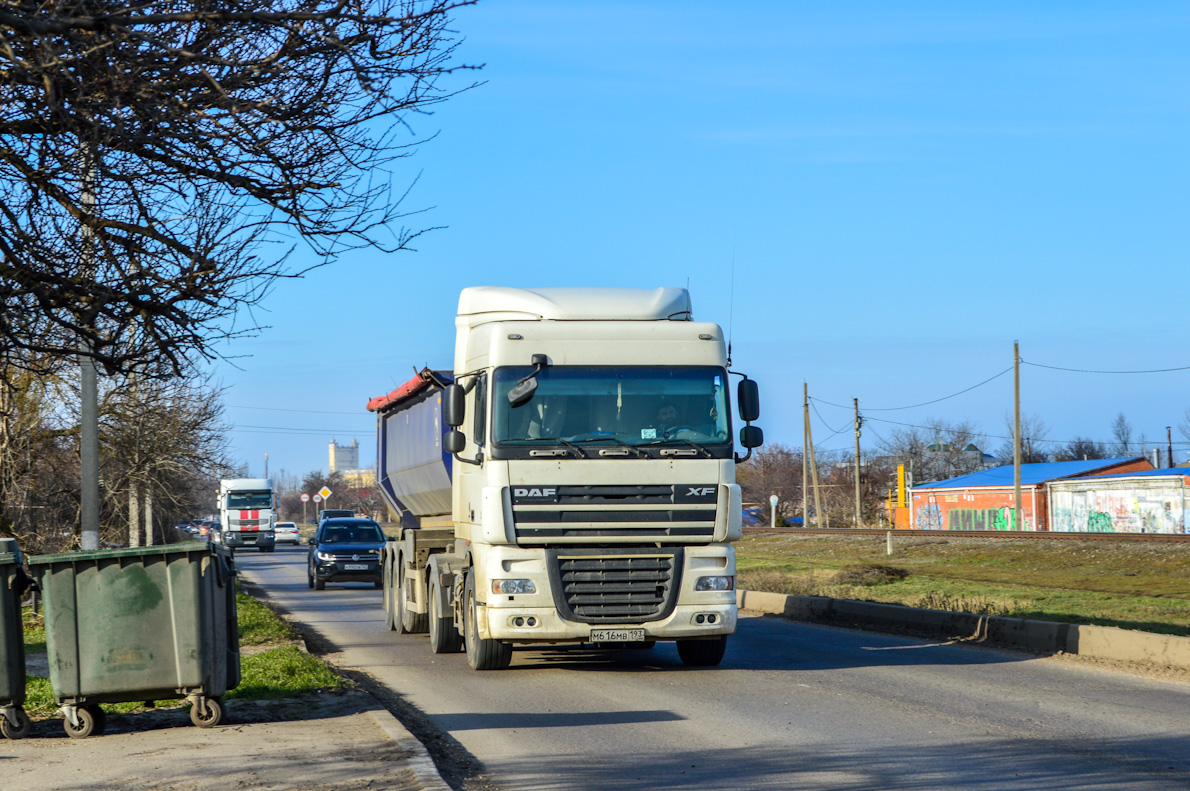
(826, 531)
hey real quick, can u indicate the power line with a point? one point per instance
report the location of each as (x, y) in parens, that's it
(306, 411)
(1085, 371)
(924, 403)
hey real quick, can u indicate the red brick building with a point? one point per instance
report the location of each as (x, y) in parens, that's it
(985, 500)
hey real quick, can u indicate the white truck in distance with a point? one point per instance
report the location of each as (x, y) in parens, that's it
(247, 513)
(572, 480)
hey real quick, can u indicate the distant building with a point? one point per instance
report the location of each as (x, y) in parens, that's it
(344, 457)
(986, 500)
(1152, 501)
(359, 479)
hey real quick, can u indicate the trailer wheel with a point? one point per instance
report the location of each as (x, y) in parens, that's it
(411, 622)
(481, 654)
(390, 613)
(444, 638)
(702, 653)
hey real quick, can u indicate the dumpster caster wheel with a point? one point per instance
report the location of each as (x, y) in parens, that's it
(18, 731)
(91, 722)
(207, 712)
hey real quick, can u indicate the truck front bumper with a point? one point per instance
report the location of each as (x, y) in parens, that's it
(545, 625)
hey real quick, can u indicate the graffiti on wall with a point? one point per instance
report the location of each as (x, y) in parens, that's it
(983, 519)
(1153, 509)
(929, 517)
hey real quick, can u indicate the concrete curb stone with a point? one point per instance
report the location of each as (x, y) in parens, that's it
(419, 761)
(1097, 642)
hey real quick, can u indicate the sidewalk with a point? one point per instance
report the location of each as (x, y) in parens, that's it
(339, 741)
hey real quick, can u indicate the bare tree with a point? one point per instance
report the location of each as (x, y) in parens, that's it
(938, 450)
(157, 159)
(773, 469)
(1121, 431)
(1034, 436)
(1081, 448)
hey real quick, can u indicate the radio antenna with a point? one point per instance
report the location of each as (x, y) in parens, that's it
(731, 307)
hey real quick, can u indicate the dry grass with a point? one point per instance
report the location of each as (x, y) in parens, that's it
(1130, 585)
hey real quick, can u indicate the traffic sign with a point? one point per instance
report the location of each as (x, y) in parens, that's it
(305, 497)
(773, 501)
(318, 498)
(325, 492)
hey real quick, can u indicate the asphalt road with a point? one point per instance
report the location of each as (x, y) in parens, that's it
(793, 706)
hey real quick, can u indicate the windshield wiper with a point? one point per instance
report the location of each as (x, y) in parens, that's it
(577, 450)
(689, 442)
(618, 441)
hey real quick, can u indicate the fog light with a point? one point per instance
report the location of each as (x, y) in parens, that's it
(699, 619)
(532, 621)
(715, 584)
(518, 622)
(712, 618)
(512, 587)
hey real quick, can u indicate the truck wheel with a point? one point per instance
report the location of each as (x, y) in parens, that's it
(411, 622)
(390, 607)
(481, 654)
(702, 653)
(444, 638)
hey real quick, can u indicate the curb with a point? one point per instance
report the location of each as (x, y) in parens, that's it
(420, 763)
(1048, 637)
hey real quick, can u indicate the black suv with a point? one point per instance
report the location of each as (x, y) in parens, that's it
(345, 550)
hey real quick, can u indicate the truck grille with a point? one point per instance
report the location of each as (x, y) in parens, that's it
(614, 586)
(629, 513)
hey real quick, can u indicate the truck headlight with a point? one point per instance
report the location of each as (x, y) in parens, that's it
(715, 584)
(511, 587)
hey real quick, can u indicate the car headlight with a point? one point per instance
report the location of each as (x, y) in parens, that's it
(324, 556)
(513, 586)
(715, 584)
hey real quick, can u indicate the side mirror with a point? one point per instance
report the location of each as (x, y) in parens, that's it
(748, 401)
(455, 408)
(454, 441)
(310, 541)
(522, 391)
(751, 437)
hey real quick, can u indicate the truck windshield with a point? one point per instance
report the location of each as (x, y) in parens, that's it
(249, 500)
(642, 405)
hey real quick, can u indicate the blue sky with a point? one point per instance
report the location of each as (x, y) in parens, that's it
(904, 190)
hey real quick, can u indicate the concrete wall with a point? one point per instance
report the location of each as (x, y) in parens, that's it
(980, 508)
(1122, 505)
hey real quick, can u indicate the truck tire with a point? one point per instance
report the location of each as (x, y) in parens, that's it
(390, 615)
(481, 654)
(411, 622)
(444, 638)
(702, 653)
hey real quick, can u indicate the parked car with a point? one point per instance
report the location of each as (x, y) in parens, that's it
(286, 533)
(345, 550)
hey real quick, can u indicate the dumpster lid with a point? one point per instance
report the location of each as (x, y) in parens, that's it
(9, 551)
(181, 548)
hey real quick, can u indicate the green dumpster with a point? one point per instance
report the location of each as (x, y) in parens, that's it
(14, 722)
(139, 624)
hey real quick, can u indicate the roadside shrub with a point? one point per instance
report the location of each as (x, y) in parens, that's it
(976, 605)
(869, 574)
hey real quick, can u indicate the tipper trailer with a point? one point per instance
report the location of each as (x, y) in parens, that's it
(571, 480)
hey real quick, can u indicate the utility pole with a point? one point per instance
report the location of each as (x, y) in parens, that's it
(858, 423)
(89, 409)
(1016, 435)
(1169, 446)
(266, 465)
(813, 468)
(805, 455)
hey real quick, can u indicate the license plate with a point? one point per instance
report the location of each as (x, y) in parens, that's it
(355, 566)
(617, 635)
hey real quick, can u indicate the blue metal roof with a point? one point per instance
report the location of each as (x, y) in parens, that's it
(1146, 473)
(1031, 474)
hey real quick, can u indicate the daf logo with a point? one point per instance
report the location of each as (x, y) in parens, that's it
(534, 492)
(700, 491)
(355, 557)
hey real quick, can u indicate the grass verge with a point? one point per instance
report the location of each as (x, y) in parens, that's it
(1132, 586)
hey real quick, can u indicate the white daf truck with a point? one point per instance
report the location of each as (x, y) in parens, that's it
(247, 513)
(571, 480)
